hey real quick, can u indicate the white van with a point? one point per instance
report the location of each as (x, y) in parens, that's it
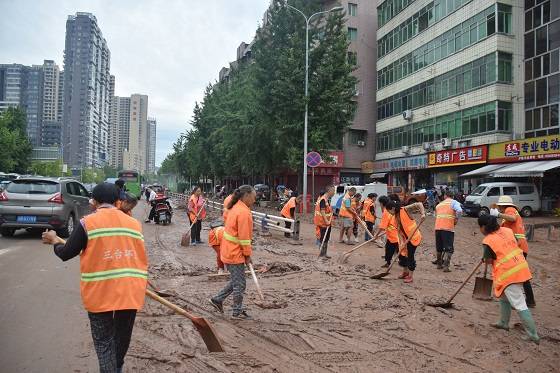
(524, 195)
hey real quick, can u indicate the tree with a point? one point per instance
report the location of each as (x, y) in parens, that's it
(15, 146)
(47, 168)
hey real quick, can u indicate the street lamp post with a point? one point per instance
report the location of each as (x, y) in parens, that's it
(307, 20)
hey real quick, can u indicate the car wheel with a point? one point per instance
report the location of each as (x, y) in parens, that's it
(483, 211)
(7, 232)
(526, 212)
(70, 224)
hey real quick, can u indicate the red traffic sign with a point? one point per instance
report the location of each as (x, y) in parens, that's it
(313, 159)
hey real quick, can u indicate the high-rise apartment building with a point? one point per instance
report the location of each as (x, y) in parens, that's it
(51, 126)
(449, 82)
(134, 158)
(86, 92)
(113, 157)
(151, 148)
(123, 127)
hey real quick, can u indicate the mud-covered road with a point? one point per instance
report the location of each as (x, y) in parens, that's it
(331, 317)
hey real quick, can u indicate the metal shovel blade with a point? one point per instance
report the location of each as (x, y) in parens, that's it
(208, 334)
(482, 288)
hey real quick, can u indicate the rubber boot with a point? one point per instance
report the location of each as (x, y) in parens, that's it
(404, 274)
(408, 279)
(446, 262)
(529, 296)
(438, 259)
(530, 326)
(505, 314)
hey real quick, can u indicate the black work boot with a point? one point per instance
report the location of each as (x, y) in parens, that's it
(446, 262)
(438, 259)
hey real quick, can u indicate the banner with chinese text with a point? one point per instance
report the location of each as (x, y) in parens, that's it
(457, 157)
(533, 149)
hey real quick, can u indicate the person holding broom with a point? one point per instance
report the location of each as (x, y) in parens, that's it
(235, 249)
(323, 219)
(197, 213)
(389, 226)
(509, 271)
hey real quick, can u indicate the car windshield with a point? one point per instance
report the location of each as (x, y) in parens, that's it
(33, 187)
(478, 191)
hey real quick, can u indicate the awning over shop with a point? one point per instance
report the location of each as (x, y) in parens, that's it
(379, 175)
(483, 171)
(526, 169)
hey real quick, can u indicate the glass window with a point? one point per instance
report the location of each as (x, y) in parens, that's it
(352, 33)
(530, 44)
(537, 67)
(537, 16)
(536, 119)
(541, 92)
(554, 115)
(510, 191)
(528, 70)
(553, 88)
(529, 94)
(541, 43)
(528, 120)
(554, 34)
(491, 23)
(545, 117)
(352, 9)
(529, 189)
(545, 64)
(493, 192)
(554, 61)
(528, 20)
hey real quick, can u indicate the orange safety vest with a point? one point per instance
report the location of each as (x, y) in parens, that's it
(318, 219)
(114, 265)
(510, 266)
(238, 232)
(215, 236)
(287, 207)
(226, 203)
(344, 212)
(388, 223)
(408, 226)
(517, 227)
(445, 216)
(194, 208)
(366, 213)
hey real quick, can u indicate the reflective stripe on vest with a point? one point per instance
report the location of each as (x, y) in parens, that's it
(445, 216)
(519, 235)
(508, 257)
(112, 232)
(236, 240)
(114, 273)
(510, 272)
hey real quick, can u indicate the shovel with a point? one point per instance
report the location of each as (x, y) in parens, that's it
(186, 238)
(483, 286)
(449, 302)
(202, 326)
(262, 303)
(323, 241)
(347, 254)
(383, 274)
(161, 293)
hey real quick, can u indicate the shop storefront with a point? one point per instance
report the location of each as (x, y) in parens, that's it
(448, 165)
(410, 172)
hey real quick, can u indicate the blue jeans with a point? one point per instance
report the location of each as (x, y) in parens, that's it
(370, 226)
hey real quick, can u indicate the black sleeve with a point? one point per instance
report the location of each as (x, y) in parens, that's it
(372, 209)
(322, 204)
(292, 211)
(74, 245)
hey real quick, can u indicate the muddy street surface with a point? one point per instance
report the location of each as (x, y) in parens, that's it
(319, 316)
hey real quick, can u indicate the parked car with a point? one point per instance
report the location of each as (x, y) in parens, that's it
(404, 196)
(524, 195)
(42, 202)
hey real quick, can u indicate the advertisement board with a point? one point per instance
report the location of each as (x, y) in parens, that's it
(532, 149)
(458, 157)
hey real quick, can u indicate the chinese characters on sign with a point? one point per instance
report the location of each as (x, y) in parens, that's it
(453, 157)
(534, 149)
(401, 164)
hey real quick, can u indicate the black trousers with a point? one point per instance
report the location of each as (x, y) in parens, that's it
(325, 231)
(444, 241)
(408, 261)
(370, 227)
(390, 249)
(152, 212)
(288, 225)
(195, 231)
(111, 332)
(529, 296)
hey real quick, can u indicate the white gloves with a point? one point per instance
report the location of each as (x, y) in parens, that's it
(494, 212)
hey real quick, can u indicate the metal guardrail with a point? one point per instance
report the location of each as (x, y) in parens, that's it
(267, 222)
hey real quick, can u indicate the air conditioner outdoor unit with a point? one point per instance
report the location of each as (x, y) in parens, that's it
(427, 146)
(446, 142)
(405, 149)
(407, 114)
(361, 143)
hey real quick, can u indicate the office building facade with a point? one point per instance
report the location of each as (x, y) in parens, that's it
(135, 156)
(151, 148)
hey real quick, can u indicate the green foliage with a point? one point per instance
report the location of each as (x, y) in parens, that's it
(93, 175)
(47, 168)
(252, 124)
(14, 144)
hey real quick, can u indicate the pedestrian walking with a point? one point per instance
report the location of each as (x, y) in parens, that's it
(509, 271)
(197, 213)
(447, 215)
(388, 225)
(235, 249)
(406, 228)
(323, 219)
(347, 215)
(113, 266)
(289, 211)
(215, 236)
(368, 213)
(509, 213)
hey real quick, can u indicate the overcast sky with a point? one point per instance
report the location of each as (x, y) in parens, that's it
(167, 49)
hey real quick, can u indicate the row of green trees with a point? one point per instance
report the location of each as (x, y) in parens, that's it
(253, 123)
(15, 148)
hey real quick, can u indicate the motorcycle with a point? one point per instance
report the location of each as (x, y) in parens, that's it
(163, 211)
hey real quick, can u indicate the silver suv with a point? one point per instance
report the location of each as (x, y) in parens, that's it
(43, 202)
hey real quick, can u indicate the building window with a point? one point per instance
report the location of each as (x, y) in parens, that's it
(353, 58)
(504, 18)
(357, 137)
(352, 33)
(352, 9)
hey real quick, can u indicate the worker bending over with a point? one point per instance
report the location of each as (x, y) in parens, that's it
(289, 211)
(347, 215)
(448, 212)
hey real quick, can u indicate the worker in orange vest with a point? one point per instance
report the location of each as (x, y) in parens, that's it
(406, 227)
(114, 273)
(368, 213)
(197, 213)
(357, 207)
(448, 212)
(388, 225)
(508, 212)
(215, 235)
(347, 215)
(289, 210)
(226, 203)
(509, 271)
(323, 220)
(235, 249)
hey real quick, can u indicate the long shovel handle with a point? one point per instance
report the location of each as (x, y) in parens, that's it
(172, 306)
(357, 247)
(196, 217)
(254, 275)
(364, 225)
(465, 282)
(324, 238)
